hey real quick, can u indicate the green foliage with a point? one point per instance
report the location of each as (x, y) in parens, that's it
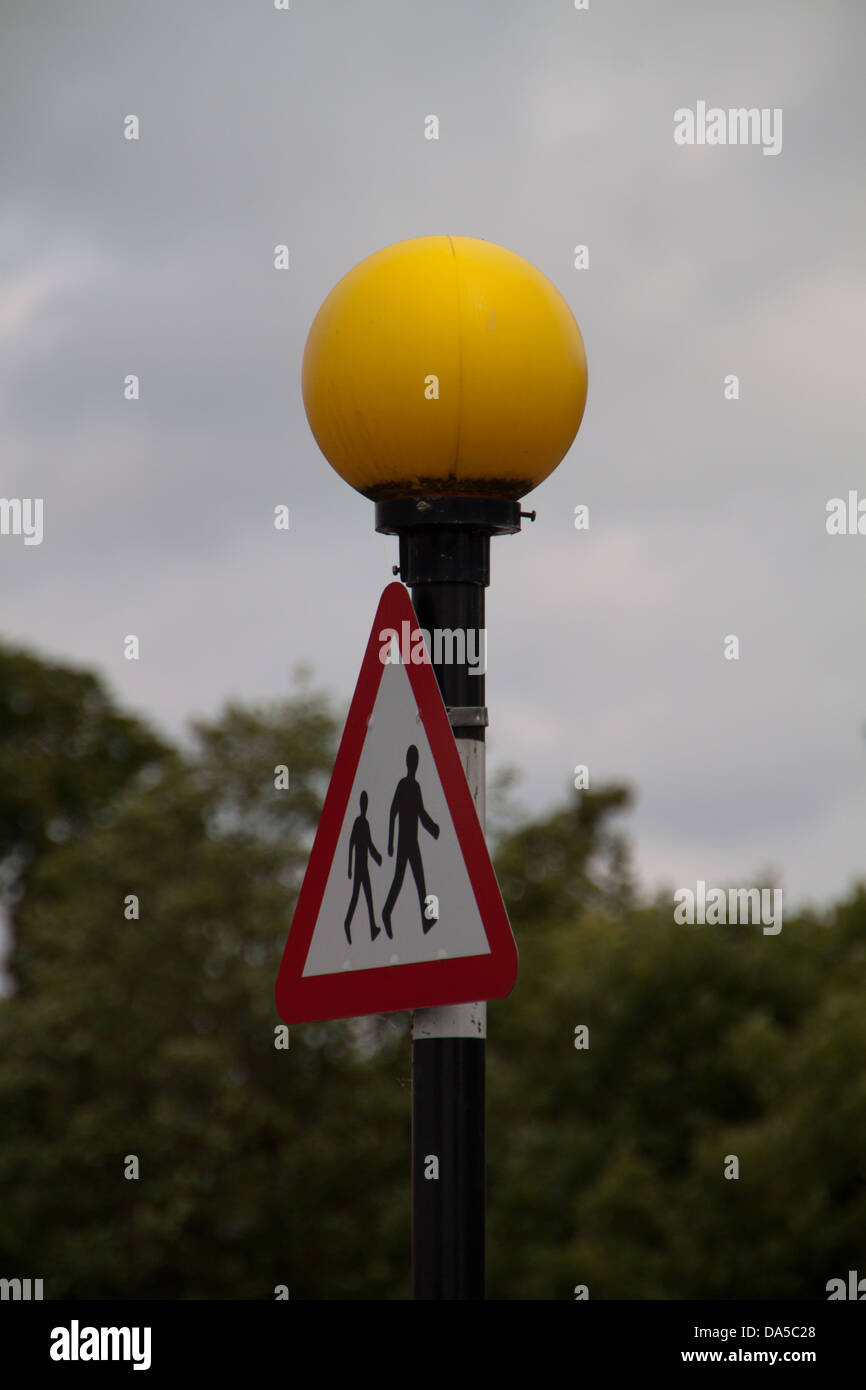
(607, 1164)
(155, 1037)
(568, 863)
(260, 1167)
(65, 753)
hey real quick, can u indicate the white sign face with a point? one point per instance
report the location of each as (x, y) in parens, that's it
(415, 903)
(399, 907)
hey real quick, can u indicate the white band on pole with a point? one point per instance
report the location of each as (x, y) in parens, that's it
(460, 1020)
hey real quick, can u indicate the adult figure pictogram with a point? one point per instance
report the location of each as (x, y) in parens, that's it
(361, 844)
(408, 808)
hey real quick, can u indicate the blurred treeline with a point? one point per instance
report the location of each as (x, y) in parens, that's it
(260, 1167)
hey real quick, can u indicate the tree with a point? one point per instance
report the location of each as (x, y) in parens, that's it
(607, 1162)
(147, 935)
(154, 1037)
(66, 752)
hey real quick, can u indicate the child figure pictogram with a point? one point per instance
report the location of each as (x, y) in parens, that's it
(360, 845)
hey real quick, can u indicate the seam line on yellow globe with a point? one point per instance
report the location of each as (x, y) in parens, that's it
(456, 261)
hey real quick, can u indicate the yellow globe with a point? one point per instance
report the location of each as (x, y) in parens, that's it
(444, 366)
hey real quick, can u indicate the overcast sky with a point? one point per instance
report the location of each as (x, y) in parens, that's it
(605, 647)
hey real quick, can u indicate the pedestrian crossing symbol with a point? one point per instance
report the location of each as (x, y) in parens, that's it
(399, 907)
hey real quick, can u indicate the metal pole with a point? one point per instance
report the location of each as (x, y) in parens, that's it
(445, 560)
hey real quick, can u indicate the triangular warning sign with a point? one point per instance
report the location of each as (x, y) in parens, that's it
(399, 907)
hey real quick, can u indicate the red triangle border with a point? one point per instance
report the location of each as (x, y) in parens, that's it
(389, 989)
